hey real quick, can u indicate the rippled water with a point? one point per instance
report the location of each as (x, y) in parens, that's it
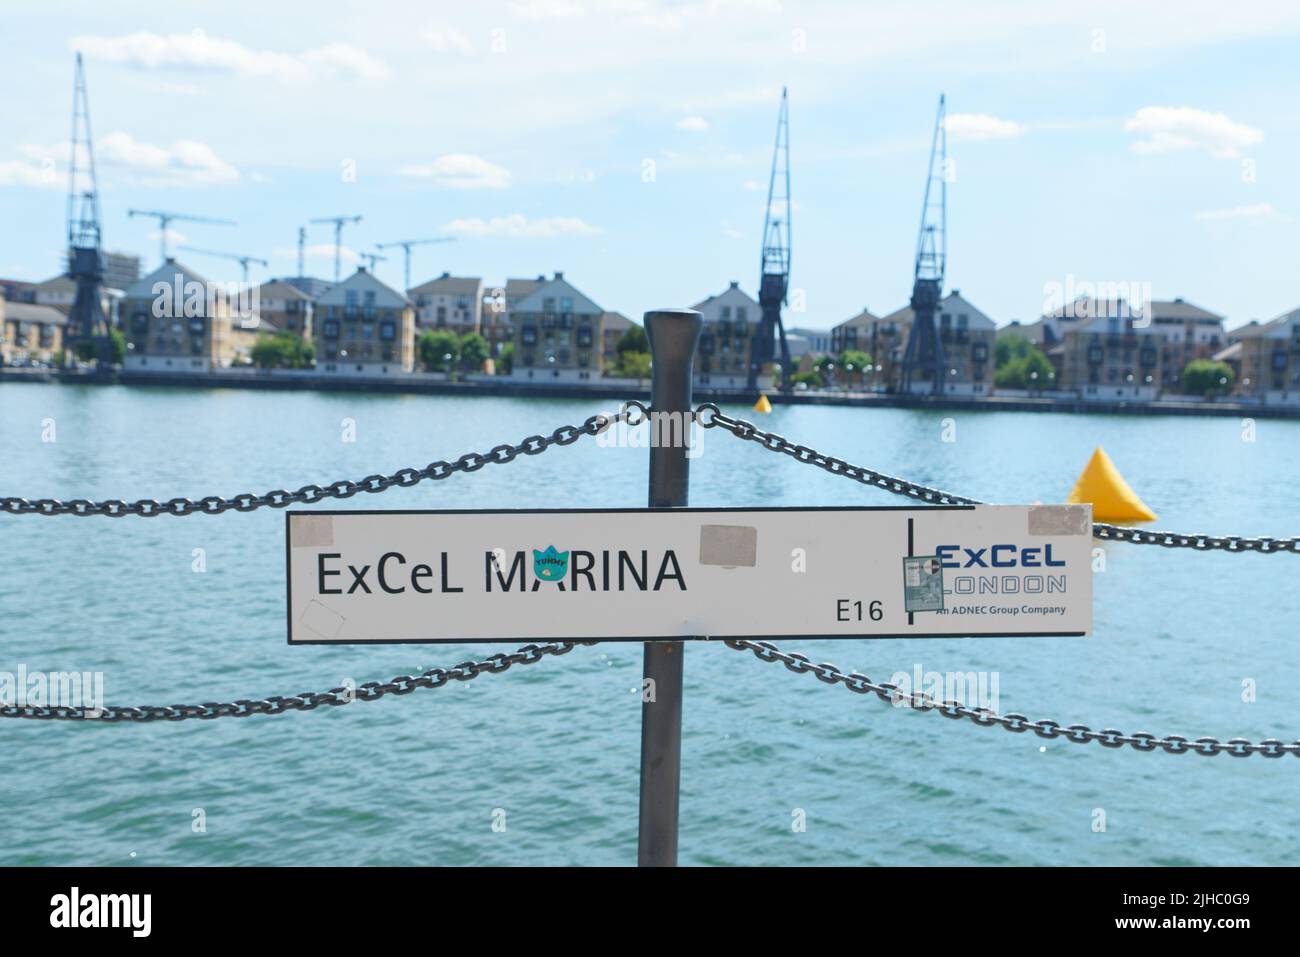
(417, 779)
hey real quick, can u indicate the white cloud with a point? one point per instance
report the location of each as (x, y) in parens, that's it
(1254, 213)
(42, 175)
(198, 51)
(174, 236)
(754, 186)
(693, 124)
(980, 126)
(446, 39)
(461, 171)
(1169, 128)
(184, 163)
(518, 226)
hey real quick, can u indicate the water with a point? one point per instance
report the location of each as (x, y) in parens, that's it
(416, 780)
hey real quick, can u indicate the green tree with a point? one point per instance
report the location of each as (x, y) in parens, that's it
(117, 344)
(634, 365)
(813, 378)
(1016, 359)
(473, 352)
(634, 340)
(1207, 377)
(506, 361)
(438, 349)
(853, 363)
(284, 350)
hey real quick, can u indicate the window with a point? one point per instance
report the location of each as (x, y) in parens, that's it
(566, 304)
(330, 329)
(584, 337)
(387, 331)
(528, 335)
(350, 297)
(548, 304)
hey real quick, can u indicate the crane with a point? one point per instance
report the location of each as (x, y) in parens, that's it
(87, 322)
(374, 258)
(774, 278)
(166, 217)
(924, 357)
(302, 248)
(339, 222)
(406, 245)
(242, 260)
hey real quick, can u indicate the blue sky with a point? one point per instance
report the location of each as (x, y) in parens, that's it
(627, 142)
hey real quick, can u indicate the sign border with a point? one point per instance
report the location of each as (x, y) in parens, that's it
(288, 577)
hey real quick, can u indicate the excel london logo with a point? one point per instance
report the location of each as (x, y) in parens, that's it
(550, 565)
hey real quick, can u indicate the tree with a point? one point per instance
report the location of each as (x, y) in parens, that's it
(284, 350)
(634, 340)
(117, 347)
(634, 365)
(1207, 377)
(438, 349)
(854, 363)
(1019, 364)
(506, 361)
(473, 352)
(813, 379)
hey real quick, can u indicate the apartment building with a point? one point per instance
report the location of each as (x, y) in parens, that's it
(1270, 359)
(363, 327)
(174, 320)
(557, 335)
(730, 320)
(283, 307)
(966, 335)
(880, 338)
(499, 302)
(1117, 356)
(1190, 333)
(612, 327)
(30, 333)
(453, 303)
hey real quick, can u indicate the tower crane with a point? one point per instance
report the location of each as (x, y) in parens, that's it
(923, 358)
(373, 258)
(406, 245)
(774, 277)
(339, 222)
(242, 260)
(167, 217)
(87, 322)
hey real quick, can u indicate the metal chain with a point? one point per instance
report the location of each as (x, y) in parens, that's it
(310, 494)
(307, 701)
(1016, 723)
(709, 416)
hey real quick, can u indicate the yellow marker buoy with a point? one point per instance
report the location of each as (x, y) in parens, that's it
(1104, 488)
(763, 405)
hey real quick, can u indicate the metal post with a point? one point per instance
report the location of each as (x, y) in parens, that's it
(673, 334)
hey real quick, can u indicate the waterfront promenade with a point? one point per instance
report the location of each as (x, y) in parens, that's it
(439, 384)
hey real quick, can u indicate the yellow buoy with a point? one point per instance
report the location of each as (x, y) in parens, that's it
(1104, 488)
(762, 405)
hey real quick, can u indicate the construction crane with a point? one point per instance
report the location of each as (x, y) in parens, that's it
(924, 357)
(166, 218)
(774, 278)
(406, 245)
(302, 248)
(87, 323)
(373, 258)
(339, 222)
(242, 260)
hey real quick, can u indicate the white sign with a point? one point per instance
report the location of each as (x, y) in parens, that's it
(638, 574)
